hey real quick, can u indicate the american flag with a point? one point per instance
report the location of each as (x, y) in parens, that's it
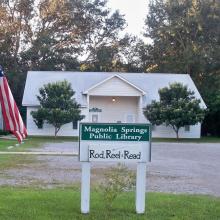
(10, 112)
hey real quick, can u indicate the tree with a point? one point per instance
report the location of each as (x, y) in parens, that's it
(52, 35)
(211, 123)
(105, 27)
(127, 54)
(68, 29)
(186, 39)
(177, 108)
(15, 23)
(185, 35)
(135, 55)
(57, 106)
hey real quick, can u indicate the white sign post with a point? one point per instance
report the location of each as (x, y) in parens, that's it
(114, 142)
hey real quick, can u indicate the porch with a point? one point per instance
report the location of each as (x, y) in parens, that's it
(115, 109)
(114, 100)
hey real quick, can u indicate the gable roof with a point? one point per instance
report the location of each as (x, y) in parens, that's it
(81, 82)
(119, 77)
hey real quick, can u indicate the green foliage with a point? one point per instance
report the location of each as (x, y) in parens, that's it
(2, 132)
(57, 105)
(51, 35)
(15, 23)
(117, 180)
(69, 29)
(38, 117)
(186, 36)
(135, 55)
(177, 107)
(211, 93)
(128, 54)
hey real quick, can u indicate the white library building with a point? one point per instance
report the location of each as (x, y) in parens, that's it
(108, 98)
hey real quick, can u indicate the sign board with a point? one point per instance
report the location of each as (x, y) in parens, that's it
(115, 142)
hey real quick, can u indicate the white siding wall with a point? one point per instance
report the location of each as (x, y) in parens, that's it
(115, 87)
(111, 112)
(48, 130)
(114, 111)
(167, 132)
(163, 131)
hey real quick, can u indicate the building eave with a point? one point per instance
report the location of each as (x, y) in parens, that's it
(105, 80)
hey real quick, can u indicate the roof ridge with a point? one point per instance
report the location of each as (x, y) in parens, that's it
(107, 73)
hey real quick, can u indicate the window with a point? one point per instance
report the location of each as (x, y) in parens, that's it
(75, 124)
(187, 128)
(94, 118)
(153, 127)
(130, 118)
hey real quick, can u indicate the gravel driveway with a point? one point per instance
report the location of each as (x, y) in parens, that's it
(175, 167)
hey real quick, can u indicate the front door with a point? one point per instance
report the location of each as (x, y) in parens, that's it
(95, 118)
(130, 118)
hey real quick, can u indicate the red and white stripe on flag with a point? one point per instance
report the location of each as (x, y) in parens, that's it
(10, 112)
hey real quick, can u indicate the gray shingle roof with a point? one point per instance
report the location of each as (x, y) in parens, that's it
(82, 81)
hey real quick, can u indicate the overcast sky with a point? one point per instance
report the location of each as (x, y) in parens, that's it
(135, 12)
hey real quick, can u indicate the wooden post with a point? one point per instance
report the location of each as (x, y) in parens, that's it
(85, 187)
(140, 188)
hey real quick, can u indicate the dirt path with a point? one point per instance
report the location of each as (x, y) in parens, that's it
(179, 168)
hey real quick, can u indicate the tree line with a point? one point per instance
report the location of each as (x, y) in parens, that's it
(85, 35)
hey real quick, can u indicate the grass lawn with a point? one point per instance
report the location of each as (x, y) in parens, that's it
(32, 141)
(7, 161)
(188, 140)
(64, 204)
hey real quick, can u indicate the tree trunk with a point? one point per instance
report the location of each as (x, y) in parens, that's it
(177, 133)
(56, 131)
